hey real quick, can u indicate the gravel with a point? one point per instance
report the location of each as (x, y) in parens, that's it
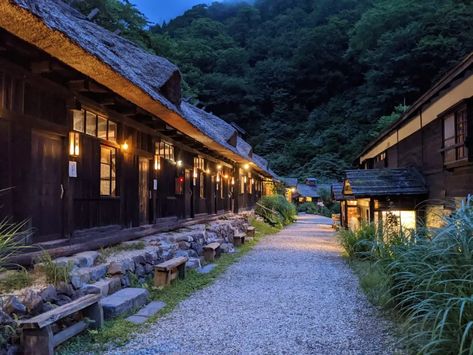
(293, 294)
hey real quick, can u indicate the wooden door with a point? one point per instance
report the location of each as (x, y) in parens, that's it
(188, 194)
(47, 190)
(144, 190)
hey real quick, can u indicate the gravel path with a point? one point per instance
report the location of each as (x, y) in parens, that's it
(293, 294)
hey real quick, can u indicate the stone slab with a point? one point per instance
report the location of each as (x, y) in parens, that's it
(137, 319)
(151, 309)
(123, 302)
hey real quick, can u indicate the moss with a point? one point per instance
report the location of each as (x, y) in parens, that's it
(116, 249)
(15, 280)
(119, 331)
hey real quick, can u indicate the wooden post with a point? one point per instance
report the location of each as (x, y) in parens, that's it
(95, 313)
(38, 341)
(371, 210)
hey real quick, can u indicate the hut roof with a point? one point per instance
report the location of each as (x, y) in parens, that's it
(337, 191)
(290, 182)
(244, 148)
(146, 70)
(384, 182)
(260, 161)
(307, 191)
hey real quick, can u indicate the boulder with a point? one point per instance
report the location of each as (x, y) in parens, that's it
(192, 253)
(198, 248)
(64, 289)
(98, 272)
(184, 238)
(193, 263)
(184, 245)
(149, 268)
(116, 268)
(125, 281)
(32, 301)
(80, 277)
(86, 259)
(181, 253)
(227, 248)
(150, 257)
(49, 294)
(115, 284)
(139, 259)
(14, 306)
(5, 319)
(63, 299)
(140, 270)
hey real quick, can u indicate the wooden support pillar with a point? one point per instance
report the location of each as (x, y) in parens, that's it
(371, 210)
(236, 188)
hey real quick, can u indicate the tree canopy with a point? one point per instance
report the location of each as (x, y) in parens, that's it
(311, 81)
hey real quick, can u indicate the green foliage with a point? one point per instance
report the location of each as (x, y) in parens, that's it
(15, 280)
(312, 208)
(55, 273)
(324, 75)
(276, 210)
(425, 277)
(12, 240)
(117, 332)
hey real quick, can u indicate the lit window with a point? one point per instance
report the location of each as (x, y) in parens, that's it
(199, 163)
(91, 124)
(308, 199)
(102, 128)
(78, 120)
(454, 134)
(165, 150)
(107, 171)
(242, 185)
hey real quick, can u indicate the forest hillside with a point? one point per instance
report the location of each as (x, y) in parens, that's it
(311, 81)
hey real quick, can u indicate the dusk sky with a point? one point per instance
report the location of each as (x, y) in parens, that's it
(158, 11)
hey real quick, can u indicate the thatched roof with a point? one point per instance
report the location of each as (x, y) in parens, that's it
(260, 161)
(142, 68)
(304, 190)
(244, 148)
(289, 182)
(337, 192)
(384, 182)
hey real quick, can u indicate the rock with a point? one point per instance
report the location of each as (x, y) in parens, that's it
(192, 253)
(181, 253)
(184, 245)
(49, 294)
(149, 268)
(128, 264)
(150, 258)
(193, 263)
(139, 259)
(115, 284)
(80, 277)
(49, 307)
(206, 269)
(140, 270)
(146, 312)
(86, 259)
(62, 300)
(98, 272)
(123, 302)
(184, 238)
(32, 301)
(64, 289)
(14, 306)
(63, 262)
(227, 248)
(116, 268)
(5, 319)
(125, 281)
(198, 248)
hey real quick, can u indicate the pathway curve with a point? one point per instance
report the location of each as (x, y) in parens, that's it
(292, 294)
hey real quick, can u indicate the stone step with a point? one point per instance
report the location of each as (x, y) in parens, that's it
(146, 312)
(105, 287)
(123, 302)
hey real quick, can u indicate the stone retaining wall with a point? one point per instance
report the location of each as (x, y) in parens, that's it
(92, 273)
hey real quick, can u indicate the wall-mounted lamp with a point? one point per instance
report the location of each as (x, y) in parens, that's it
(246, 166)
(225, 176)
(219, 167)
(157, 163)
(74, 144)
(125, 146)
(233, 181)
(179, 163)
(218, 177)
(208, 171)
(195, 173)
(245, 179)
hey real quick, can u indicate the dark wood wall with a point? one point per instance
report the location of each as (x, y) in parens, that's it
(35, 121)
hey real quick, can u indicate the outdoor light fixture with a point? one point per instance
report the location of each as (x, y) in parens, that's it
(226, 176)
(125, 146)
(246, 166)
(74, 139)
(245, 179)
(293, 189)
(219, 167)
(208, 171)
(233, 181)
(179, 163)
(157, 163)
(218, 177)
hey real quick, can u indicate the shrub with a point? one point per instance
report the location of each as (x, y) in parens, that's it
(433, 287)
(276, 210)
(312, 208)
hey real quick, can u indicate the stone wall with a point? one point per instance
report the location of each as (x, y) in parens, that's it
(93, 273)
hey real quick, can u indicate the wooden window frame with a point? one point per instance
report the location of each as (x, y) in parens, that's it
(112, 179)
(459, 147)
(165, 150)
(84, 113)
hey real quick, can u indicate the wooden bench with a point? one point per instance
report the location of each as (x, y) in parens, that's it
(38, 337)
(170, 270)
(239, 239)
(251, 231)
(211, 251)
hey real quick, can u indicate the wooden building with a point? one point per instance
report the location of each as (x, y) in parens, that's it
(94, 133)
(435, 139)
